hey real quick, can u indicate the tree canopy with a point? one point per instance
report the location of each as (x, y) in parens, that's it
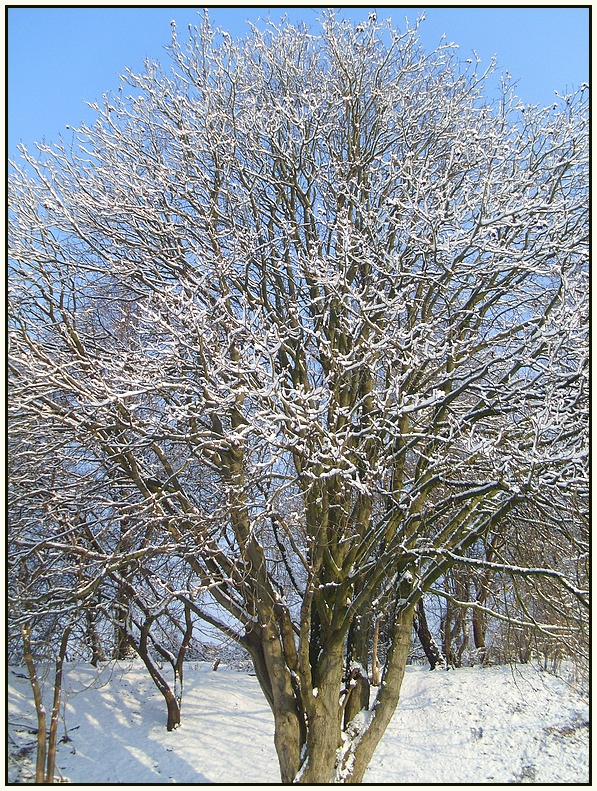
(293, 327)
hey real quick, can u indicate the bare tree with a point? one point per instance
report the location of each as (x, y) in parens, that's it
(358, 338)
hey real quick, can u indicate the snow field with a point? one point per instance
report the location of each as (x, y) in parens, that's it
(484, 725)
(474, 725)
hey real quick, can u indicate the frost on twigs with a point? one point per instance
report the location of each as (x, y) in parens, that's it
(296, 329)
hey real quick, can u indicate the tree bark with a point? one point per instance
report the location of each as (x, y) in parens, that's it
(179, 665)
(364, 737)
(97, 653)
(453, 634)
(375, 671)
(275, 680)
(357, 666)
(121, 608)
(357, 649)
(479, 634)
(56, 707)
(479, 618)
(430, 647)
(120, 633)
(323, 735)
(357, 696)
(141, 648)
(40, 763)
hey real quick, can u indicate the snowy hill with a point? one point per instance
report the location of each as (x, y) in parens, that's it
(474, 725)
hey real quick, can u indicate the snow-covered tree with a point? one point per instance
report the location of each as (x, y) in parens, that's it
(312, 314)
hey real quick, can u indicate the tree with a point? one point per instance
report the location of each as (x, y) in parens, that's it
(355, 303)
(46, 742)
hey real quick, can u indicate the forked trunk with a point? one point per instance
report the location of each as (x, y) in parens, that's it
(327, 752)
(141, 648)
(365, 731)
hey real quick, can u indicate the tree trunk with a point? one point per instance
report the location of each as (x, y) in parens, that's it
(276, 669)
(56, 707)
(97, 653)
(314, 645)
(287, 714)
(357, 696)
(323, 735)
(363, 737)
(141, 648)
(272, 643)
(122, 606)
(120, 634)
(357, 665)
(179, 665)
(479, 617)
(483, 591)
(375, 671)
(479, 634)
(430, 647)
(357, 647)
(446, 634)
(40, 763)
(454, 635)
(173, 720)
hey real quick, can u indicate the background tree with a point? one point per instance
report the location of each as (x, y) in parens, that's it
(359, 336)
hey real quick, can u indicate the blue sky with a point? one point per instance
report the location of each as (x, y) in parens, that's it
(58, 57)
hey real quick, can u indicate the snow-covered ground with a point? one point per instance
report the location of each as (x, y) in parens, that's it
(474, 725)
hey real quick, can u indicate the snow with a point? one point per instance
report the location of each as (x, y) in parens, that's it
(226, 734)
(473, 725)
(479, 725)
